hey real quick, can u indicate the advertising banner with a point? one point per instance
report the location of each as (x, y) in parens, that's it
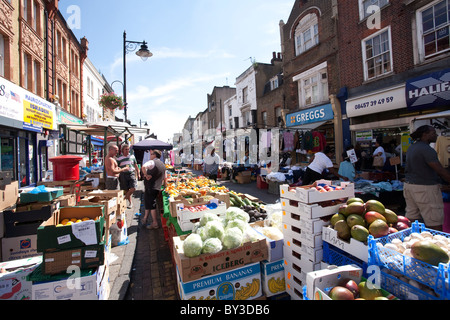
(19, 104)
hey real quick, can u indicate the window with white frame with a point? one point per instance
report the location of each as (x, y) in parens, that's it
(274, 83)
(313, 86)
(434, 29)
(377, 54)
(306, 34)
(366, 7)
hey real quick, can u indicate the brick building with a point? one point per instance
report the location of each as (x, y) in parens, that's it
(311, 75)
(389, 56)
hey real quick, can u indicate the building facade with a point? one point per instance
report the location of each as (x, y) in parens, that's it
(394, 67)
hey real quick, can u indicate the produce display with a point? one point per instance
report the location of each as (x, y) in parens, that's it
(350, 290)
(68, 222)
(358, 219)
(188, 185)
(214, 233)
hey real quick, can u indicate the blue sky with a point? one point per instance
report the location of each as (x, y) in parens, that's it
(196, 45)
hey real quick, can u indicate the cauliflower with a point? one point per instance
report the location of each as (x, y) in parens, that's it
(212, 245)
(214, 229)
(233, 238)
(192, 245)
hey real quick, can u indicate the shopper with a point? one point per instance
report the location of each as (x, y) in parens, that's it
(379, 156)
(128, 180)
(112, 170)
(211, 167)
(422, 190)
(346, 168)
(320, 162)
(154, 172)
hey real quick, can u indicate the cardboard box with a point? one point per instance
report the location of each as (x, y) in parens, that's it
(186, 218)
(313, 226)
(354, 247)
(307, 252)
(5, 178)
(273, 277)
(110, 206)
(209, 264)
(244, 177)
(89, 285)
(303, 263)
(309, 194)
(295, 280)
(243, 283)
(328, 278)
(311, 211)
(68, 200)
(274, 247)
(25, 219)
(49, 195)
(108, 194)
(53, 238)
(18, 248)
(8, 195)
(14, 284)
(306, 238)
(87, 257)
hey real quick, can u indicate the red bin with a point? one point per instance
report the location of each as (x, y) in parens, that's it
(66, 168)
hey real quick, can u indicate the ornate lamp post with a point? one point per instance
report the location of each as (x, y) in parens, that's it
(144, 53)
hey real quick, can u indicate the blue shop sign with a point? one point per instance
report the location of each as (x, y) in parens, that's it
(321, 113)
(431, 90)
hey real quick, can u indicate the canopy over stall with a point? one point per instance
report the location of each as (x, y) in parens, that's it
(149, 144)
(437, 117)
(75, 137)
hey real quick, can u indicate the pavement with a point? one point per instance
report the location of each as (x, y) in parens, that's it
(143, 269)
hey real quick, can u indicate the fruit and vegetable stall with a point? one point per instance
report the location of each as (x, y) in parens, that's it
(319, 242)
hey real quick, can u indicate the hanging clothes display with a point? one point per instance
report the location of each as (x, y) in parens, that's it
(319, 141)
(307, 142)
(288, 139)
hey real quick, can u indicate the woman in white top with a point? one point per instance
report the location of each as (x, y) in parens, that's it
(319, 163)
(379, 152)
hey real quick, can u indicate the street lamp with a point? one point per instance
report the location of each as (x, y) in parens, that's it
(144, 53)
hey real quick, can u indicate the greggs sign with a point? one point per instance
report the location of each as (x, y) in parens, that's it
(321, 113)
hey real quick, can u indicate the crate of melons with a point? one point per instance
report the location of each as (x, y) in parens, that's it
(417, 253)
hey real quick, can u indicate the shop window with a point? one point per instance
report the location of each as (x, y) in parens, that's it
(37, 78)
(313, 88)
(365, 7)
(306, 34)
(434, 29)
(377, 54)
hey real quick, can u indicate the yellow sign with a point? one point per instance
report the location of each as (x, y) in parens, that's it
(37, 116)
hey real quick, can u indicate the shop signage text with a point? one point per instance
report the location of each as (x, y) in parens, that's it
(377, 102)
(322, 113)
(431, 90)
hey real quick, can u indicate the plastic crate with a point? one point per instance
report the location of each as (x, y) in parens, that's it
(335, 256)
(403, 290)
(436, 278)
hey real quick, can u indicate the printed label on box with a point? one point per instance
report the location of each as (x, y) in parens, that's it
(86, 232)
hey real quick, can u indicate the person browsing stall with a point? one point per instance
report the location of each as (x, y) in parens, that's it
(112, 169)
(422, 189)
(154, 172)
(320, 162)
(128, 179)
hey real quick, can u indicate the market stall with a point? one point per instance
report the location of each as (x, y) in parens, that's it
(149, 144)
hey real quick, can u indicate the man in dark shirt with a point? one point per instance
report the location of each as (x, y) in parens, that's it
(422, 190)
(154, 173)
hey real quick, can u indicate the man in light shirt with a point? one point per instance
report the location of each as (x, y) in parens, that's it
(319, 163)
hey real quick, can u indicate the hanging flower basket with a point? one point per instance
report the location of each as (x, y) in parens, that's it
(111, 101)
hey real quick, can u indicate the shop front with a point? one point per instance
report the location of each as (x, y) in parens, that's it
(312, 130)
(26, 122)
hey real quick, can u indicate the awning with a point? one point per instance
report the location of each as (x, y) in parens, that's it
(431, 116)
(308, 126)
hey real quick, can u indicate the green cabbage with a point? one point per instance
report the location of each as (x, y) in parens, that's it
(237, 223)
(212, 245)
(208, 216)
(192, 245)
(214, 229)
(233, 238)
(236, 213)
